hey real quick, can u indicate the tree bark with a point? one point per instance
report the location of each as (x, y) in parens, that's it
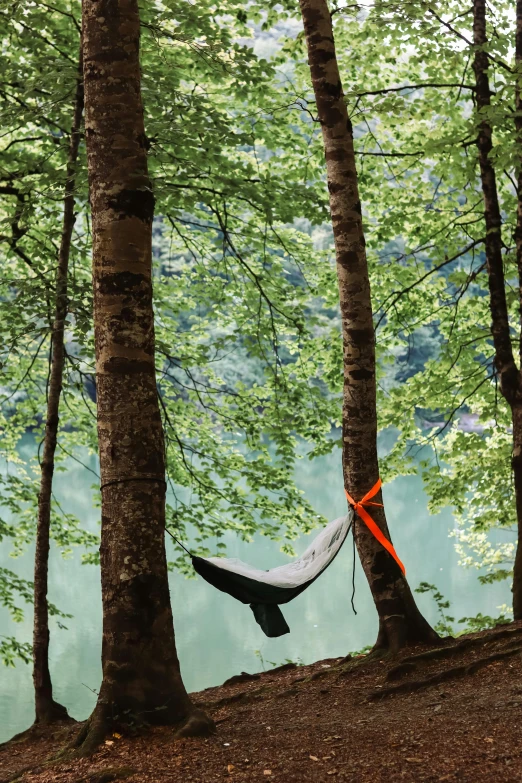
(47, 709)
(517, 410)
(141, 674)
(518, 129)
(516, 462)
(508, 373)
(400, 622)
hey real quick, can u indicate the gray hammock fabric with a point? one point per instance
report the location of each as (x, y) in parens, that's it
(265, 590)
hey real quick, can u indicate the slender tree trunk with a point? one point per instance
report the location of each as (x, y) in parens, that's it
(48, 710)
(518, 128)
(141, 674)
(517, 410)
(400, 622)
(508, 373)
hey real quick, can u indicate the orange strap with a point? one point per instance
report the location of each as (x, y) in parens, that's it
(363, 514)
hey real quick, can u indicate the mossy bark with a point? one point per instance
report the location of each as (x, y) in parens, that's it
(400, 622)
(141, 674)
(46, 708)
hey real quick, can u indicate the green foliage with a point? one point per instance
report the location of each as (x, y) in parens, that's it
(298, 661)
(444, 626)
(12, 650)
(409, 86)
(240, 367)
(249, 360)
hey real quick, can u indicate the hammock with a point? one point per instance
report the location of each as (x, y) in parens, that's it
(264, 590)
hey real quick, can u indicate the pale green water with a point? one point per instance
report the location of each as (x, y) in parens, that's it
(216, 635)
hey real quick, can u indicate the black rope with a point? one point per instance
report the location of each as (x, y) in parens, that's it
(146, 478)
(353, 572)
(179, 543)
(352, 526)
(131, 478)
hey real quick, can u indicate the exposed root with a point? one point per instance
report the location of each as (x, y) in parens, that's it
(447, 674)
(351, 665)
(197, 724)
(52, 712)
(399, 671)
(90, 737)
(439, 653)
(108, 775)
(242, 696)
(238, 678)
(285, 667)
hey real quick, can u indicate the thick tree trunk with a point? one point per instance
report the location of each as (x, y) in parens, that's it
(400, 621)
(141, 675)
(47, 710)
(509, 374)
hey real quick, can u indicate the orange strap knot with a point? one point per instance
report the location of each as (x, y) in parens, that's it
(366, 518)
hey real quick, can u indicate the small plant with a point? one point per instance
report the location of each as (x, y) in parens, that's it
(298, 661)
(364, 651)
(444, 626)
(480, 622)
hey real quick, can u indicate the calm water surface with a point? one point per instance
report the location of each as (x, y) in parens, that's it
(216, 635)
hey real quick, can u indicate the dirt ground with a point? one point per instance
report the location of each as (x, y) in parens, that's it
(450, 714)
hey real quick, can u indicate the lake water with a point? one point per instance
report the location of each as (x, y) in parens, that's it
(217, 636)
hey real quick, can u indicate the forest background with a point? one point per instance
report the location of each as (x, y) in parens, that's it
(249, 356)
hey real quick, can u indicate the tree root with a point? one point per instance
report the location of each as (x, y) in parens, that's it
(197, 724)
(351, 665)
(108, 775)
(40, 729)
(90, 736)
(465, 644)
(447, 674)
(242, 696)
(238, 678)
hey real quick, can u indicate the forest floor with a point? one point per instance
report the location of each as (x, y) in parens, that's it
(449, 714)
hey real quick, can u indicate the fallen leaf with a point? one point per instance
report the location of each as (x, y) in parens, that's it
(230, 768)
(437, 707)
(332, 772)
(109, 742)
(118, 736)
(314, 758)
(267, 772)
(488, 739)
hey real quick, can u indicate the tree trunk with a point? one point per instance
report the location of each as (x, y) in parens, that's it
(400, 622)
(141, 675)
(517, 411)
(517, 476)
(47, 710)
(509, 374)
